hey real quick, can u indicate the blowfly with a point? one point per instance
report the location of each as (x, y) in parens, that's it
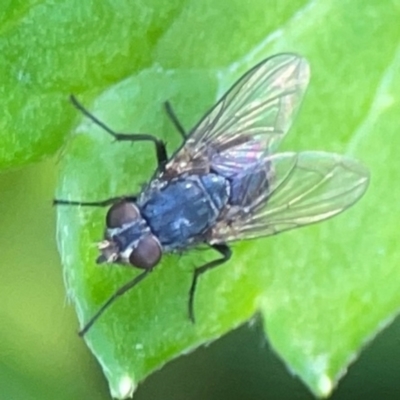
(225, 182)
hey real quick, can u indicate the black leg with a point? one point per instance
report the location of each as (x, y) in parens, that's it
(123, 289)
(226, 253)
(101, 203)
(171, 114)
(161, 151)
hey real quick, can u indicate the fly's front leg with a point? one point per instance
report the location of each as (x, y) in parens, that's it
(226, 253)
(161, 151)
(123, 289)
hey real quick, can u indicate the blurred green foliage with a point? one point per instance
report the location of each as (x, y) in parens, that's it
(323, 291)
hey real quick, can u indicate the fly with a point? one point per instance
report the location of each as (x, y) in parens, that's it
(226, 183)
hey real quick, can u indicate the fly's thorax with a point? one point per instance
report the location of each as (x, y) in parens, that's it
(128, 239)
(180, 211)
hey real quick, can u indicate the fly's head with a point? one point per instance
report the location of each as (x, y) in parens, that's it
(128, 239)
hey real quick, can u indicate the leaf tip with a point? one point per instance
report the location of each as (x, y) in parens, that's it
(124, 388)
(324, 385)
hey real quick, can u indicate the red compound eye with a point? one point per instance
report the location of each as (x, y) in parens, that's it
(121, 213)
(147, 253)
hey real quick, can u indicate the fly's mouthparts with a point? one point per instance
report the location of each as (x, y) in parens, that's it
(104, 244)
(109, 251)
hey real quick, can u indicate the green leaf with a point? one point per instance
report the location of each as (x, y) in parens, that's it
(52, 49)
(323, 291)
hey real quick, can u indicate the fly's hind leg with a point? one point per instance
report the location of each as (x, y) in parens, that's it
(161, 150)
(226, 253)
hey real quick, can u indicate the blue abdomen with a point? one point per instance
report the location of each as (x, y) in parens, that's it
(185, 208)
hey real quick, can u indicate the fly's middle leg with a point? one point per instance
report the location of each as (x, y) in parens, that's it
(172, 116)
(101, 203)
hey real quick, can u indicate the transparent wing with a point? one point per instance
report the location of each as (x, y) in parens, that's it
(303, 188)
(250, 119)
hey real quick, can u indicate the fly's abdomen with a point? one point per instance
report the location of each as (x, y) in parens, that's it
(180, 212)
(249, 184)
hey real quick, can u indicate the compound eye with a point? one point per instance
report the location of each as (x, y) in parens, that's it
(121, 213)
(147, 253)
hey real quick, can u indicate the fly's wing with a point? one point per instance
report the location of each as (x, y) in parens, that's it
(299, 189)
(249, 121)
